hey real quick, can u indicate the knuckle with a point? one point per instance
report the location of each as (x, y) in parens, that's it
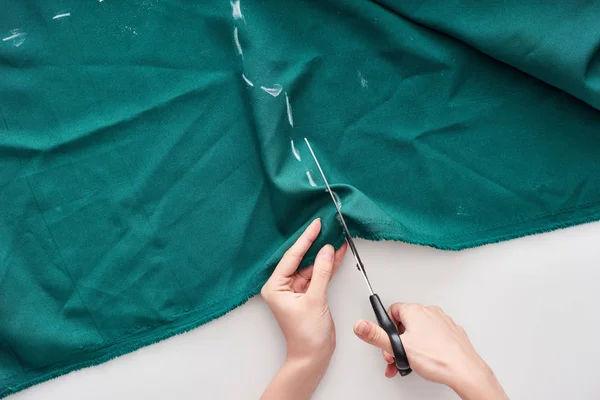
(412, 308)
(397, 311)
(294, 254)
(398, 307)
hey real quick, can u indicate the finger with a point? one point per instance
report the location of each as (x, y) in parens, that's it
(391, 370)
(399, 326)
(304, 276)
(339, 257)
(306, 273)
(322, 271)
(400, 312)
(374, 335)
(291, 259)
(388, 357)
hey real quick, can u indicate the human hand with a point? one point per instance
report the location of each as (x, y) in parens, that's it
(298, 298)
(437, 349)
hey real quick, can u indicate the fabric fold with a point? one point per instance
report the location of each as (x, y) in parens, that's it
(559, 45)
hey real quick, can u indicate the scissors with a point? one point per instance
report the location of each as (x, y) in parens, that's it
(383, 318)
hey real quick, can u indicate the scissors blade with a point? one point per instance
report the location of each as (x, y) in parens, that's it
(359, 263)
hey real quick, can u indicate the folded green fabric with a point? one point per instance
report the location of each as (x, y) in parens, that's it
(153, 169)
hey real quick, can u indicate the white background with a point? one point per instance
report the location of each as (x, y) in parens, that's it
(529, 305)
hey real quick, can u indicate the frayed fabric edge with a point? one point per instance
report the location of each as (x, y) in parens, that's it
(243, 298)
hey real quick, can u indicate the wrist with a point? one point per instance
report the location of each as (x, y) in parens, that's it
(311, 353)
(479, 384)
(309, 360)
(297, 378)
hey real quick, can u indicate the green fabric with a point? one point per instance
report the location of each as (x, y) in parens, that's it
(146, 187)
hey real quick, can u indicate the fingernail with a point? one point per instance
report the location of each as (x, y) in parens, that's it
(326, 253)
(361, 328)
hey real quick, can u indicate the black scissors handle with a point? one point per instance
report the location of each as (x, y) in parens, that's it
(389, 327)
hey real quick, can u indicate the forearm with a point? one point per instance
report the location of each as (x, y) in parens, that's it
(297, 379)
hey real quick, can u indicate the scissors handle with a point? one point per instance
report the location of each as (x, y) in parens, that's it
(389, 327)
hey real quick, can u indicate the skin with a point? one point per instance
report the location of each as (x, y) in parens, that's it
(437, 349)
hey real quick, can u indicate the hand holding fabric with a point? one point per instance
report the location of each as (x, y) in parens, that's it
(298, 300)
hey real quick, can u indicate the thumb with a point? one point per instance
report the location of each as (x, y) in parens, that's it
(322, 271)
(373, 334)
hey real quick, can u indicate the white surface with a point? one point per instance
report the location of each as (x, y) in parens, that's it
(529, 305)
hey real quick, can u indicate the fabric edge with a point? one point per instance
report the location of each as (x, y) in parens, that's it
(245, 296)
(170, 332)
(10, 390)
(490, 239)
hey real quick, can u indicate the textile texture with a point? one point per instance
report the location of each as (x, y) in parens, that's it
(153, 168)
